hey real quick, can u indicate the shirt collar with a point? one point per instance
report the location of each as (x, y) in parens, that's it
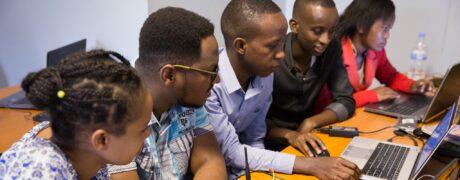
(228, 77)
(288, 50)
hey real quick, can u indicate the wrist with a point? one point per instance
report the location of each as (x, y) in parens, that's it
(303, 165)
(290, 135)
(308, 125)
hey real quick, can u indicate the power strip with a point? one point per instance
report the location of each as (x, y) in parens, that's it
(340, 131)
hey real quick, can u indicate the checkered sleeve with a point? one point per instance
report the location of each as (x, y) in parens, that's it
(113, 169)
(202, 125)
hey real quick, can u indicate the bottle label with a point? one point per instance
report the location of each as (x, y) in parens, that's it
(418, 55)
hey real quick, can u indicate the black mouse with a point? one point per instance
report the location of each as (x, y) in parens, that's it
(324, 152)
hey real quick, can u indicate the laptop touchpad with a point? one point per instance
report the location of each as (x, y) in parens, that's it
(358, 152)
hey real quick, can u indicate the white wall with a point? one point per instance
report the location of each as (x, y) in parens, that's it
(30, 28)
(211, 9)
(439, 19)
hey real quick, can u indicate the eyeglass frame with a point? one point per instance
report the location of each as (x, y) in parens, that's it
(212, 74)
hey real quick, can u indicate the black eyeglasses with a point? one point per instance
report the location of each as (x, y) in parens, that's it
(210, 73)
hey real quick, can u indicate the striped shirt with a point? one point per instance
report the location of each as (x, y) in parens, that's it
(167, 150)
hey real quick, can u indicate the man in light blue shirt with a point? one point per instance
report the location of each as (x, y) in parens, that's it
(238, 119)
(254, 33)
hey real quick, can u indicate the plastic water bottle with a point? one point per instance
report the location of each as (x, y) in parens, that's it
(418, 58)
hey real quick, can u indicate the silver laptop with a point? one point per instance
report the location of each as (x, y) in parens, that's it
(421, 107)
(19, 100)
(385, 160)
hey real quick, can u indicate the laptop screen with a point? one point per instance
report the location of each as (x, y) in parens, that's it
(435, 139)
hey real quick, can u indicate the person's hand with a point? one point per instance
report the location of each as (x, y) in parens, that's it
(423, 86)
(332, 168)
(306, 126)
(300, 140)
(384, 93)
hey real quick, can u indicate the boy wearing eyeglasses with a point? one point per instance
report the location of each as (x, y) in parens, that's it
(179, 67)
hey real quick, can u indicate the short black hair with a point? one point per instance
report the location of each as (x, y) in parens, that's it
(239, 17)
(171, 36)
(299, 4)
(98, 93)
(363, 13)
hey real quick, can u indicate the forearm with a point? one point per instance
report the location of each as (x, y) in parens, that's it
(211, 169)
(365, 97)
(207, 161)
(324, 118)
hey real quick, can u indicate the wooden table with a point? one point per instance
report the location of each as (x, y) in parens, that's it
(365, 122)
(14, 123)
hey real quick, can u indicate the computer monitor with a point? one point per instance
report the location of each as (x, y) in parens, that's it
(435, 139)
(54, 56)
(18, 100)
(446, 94)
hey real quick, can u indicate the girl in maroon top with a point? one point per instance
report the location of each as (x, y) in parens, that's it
(363, 30)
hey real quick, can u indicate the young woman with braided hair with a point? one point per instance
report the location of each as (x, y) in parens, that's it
(99, 111)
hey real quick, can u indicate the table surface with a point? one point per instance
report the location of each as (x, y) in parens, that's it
(15, 123)
(365, 122)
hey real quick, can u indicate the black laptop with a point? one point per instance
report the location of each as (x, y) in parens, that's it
(421, 107)
(18, 100)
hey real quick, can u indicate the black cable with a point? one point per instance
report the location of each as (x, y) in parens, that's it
(413, 139)
(416, 137)
(391, 139)
(378, 130)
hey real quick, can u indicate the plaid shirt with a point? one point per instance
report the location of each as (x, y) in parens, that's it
(167, 150)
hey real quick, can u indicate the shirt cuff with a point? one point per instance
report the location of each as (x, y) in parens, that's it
(339, 109)
(364, 97)
(113, 169)
(283, 163)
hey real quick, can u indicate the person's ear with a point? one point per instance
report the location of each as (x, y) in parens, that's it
(240, 45)
(294, 25)
(167, 73)
(99, 139)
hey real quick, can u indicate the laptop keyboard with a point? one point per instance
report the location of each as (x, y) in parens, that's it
(386, 161)
(408, 107)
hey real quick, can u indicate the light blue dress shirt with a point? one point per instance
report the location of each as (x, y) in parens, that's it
(238, 119)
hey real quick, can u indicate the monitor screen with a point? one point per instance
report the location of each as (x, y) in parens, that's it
(55, 56)
(435, 139)
(446, 94)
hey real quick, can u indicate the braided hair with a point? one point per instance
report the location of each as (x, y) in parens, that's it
(85, 91)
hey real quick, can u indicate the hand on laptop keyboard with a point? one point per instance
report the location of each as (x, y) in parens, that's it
(423, 86)
(385, 93)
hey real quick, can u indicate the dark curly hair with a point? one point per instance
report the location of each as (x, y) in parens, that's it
(299, 4)
(239, 17)
(363, 14)
(171, 36)
(98, 92)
